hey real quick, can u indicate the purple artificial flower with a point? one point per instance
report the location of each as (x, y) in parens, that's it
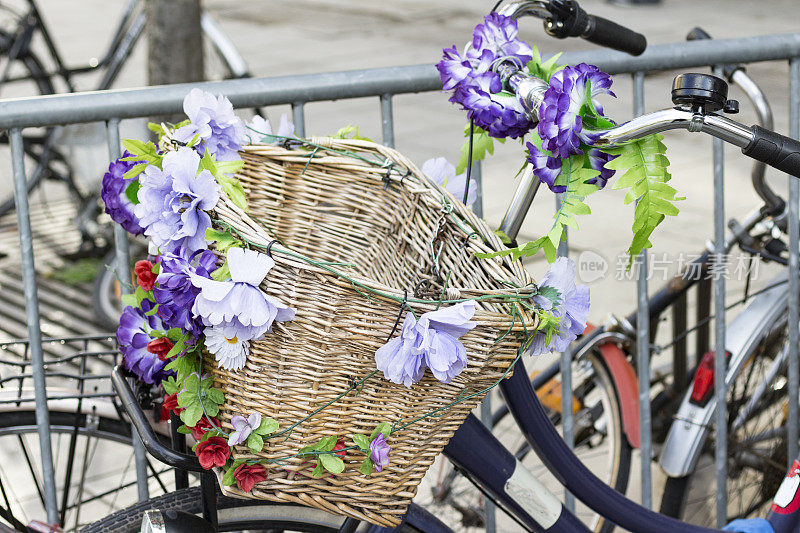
(560, 124)
(430, 342)
(545, 167)
(133, 336)
(238, 305)
(174, 292)
(444, 174)
(243, 427)
(379, 452)
(260, 130)
(212, 119)
(117, 203)
(477, 88)
(173, 202)
(598, 160)
(572, 308)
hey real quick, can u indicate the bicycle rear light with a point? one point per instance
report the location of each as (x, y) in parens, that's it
(703, 385)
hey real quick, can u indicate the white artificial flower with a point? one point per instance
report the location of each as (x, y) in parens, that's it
(230, 352)
(260, 127)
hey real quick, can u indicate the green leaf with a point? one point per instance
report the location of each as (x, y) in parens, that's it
(142, 151)
(551, 293)
(319, 471)
(152, 311)
(192, 383)
(129, 300)
(211, 408)
(383, 427)
(184, 366)
(482, 144)
(216, 396)
(505, 239)
(367, 466)
(307, 449)
(140, 294)
(268, 426)
(223, 273)
(326, 444)
(543, 69)
(133, 173)
(332, 463)
(230, 185)
(350, 132)
(228, 478)
(644, 164)
(183, 428)
(192, 414)
(362, 441)
(224, 239)
(132, 191)
(170, 385)
(255, 442)
(187, 398)
(175, 334)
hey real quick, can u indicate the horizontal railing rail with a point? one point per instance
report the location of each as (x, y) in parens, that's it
(254, 92)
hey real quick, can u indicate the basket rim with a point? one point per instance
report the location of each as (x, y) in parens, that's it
(252, 231)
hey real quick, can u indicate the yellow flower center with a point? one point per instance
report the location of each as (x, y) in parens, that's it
(234, 340)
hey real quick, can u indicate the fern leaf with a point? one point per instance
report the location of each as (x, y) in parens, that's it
(645, 176)
(572, 204)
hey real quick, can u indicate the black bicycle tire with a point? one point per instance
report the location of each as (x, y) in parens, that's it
(189, 500)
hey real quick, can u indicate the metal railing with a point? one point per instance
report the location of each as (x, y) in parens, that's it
(383, 84)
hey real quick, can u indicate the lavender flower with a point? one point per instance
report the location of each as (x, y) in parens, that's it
(572, 308)
(243, 427)
(173, 202)
(118, 206)
(560, 124)
(239, 305)
(545, 167)
(229, 351)
(477, 88)
(444, 174)
(260, 130)
(430, 342)
(597, 160)
(220, 131)
(174, 292)
(379, 452)
(133, 335)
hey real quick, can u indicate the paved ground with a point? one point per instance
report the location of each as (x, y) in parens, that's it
(280, 37)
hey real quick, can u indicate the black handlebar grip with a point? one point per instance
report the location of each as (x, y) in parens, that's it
(774, 149)
(611, 35)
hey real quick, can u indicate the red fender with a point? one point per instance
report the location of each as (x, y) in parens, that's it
(627, 389)
(624, 377)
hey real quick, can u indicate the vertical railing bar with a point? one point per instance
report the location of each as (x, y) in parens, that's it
(34, 327)
(299, 118)
(643, 339)
(719, 272)
(477, 176)
(123, 274)
(567, 417)
(794, 268)
(387, 120)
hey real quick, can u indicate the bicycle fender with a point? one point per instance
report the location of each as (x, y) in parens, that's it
(627, 387)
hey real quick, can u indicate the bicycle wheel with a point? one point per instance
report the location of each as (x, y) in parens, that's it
(599, 442)
(106, 290)
(756, 445)
(92, 459)
(233, 515)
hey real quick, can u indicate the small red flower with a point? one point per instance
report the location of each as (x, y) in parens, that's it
(339, 449)
(171, 403)
(213, 452)
(202, 426)
(248, 475)
(160, 347)
(144, 274)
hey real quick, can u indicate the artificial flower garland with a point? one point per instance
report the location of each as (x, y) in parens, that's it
(560, 146)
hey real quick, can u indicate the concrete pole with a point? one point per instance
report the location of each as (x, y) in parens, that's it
(175, 41)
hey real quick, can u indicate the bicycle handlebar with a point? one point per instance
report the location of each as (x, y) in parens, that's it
(565, 18)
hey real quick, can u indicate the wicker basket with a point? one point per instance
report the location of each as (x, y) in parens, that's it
(389, 222)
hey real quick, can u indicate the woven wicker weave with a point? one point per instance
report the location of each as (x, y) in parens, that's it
(381, 218)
